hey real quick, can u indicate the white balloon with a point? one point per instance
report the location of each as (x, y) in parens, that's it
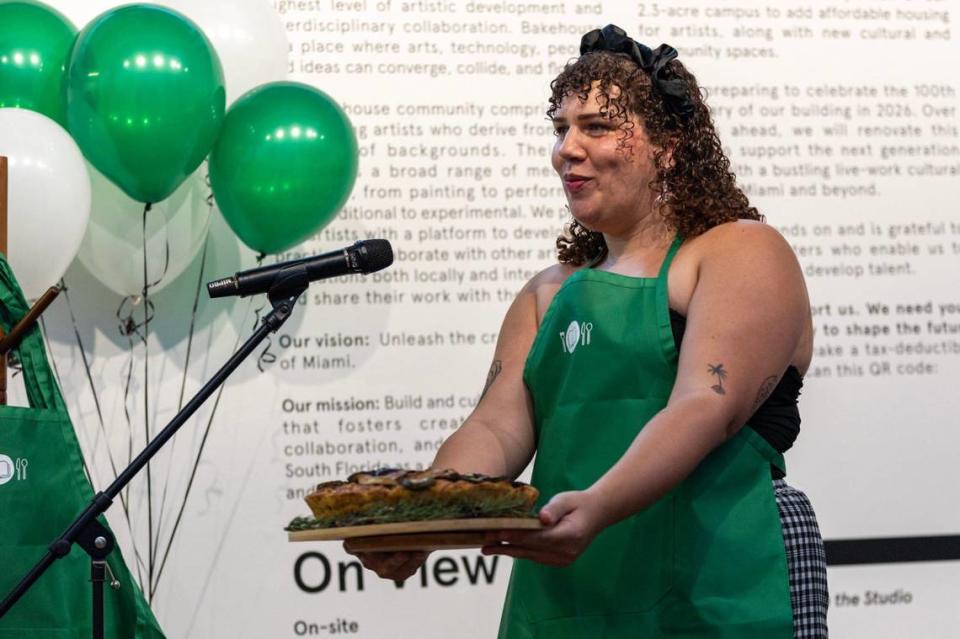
(112, 248)
(248, 35)
(48, 199)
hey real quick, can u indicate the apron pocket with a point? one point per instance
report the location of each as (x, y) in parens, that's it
(60, 591)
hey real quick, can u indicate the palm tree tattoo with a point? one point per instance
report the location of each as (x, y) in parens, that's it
(721, 375)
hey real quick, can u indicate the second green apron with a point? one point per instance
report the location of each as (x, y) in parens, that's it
(42, 489)
(706, 561)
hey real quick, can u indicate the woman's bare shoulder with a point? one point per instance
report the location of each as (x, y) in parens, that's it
(743, 237)
(545, 284)
(553, 275)
(744, 247)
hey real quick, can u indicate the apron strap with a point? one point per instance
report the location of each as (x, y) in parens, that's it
(663, 300)
(42, 391)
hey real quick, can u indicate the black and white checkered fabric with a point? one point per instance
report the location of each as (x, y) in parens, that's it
(806, 562)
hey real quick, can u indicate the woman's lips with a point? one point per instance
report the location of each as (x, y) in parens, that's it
(575, 184)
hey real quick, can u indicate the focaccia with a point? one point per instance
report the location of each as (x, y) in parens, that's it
(390, 495)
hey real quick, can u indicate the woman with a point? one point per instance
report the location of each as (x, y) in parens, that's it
(661, 464)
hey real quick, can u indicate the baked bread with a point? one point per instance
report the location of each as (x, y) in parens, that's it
(390, 495)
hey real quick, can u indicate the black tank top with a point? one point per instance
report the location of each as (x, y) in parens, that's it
(778, 419)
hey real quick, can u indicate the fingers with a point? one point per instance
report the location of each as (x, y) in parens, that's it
(391, 565)
(557, 508)
(557, 545)
(403, 570)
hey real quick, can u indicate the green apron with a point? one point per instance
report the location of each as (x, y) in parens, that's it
(705, 561)
(42, 489)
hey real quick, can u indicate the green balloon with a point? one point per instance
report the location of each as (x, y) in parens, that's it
(283, 166)
(145, 98)
(35, 43)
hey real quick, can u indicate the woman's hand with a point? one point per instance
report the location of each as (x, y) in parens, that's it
(397, 566)
(573, 519)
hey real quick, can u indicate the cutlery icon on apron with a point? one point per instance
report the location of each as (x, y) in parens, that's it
(21, 464)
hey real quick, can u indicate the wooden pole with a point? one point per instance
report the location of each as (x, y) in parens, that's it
(3, 205)
(8, 342)
(3, 249)
(11, 341)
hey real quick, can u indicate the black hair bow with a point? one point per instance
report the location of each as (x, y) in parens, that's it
(652, 61)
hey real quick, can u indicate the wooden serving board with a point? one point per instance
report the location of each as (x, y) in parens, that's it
(443, 534)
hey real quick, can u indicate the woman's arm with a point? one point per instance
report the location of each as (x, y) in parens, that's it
(746, 318)
(497, 439)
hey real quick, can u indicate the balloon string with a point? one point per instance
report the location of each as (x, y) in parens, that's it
(196, 464)
(196, 296)
(266, 356)
(186, 366)
(151, 557)
(166, 252)
(199, 455)
(103, 430)
(128, 418)
(129, 327)
(13, 363)
(148, 316)
(211, 202)
(210, 198)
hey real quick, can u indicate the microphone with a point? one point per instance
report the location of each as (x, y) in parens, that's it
(366, 256)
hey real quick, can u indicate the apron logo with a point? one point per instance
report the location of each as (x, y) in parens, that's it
(11, 470)
(577, 334)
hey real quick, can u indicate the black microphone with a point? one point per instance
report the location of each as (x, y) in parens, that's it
(365, 256)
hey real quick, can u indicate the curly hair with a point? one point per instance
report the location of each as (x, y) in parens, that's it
(696, 190)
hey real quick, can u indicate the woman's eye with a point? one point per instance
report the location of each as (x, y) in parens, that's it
(596, 127)
(560, 131)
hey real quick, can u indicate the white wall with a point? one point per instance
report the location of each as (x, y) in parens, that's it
(842, 125)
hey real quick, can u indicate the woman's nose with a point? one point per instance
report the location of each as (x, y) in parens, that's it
(570, 146)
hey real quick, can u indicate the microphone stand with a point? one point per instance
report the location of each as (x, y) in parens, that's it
(85, 530)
